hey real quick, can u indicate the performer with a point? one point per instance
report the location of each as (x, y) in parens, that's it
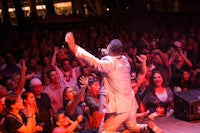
(117, 99)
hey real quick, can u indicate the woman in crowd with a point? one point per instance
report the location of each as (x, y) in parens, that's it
(17, 121)
(159, 97)
(30, 103)
(74, 105)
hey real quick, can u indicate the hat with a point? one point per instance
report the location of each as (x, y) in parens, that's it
(177, 44)
(35, 81)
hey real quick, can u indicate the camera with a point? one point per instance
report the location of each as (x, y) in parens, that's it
(91, 80)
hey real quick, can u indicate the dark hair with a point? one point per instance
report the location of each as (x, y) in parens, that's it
(10, 100)
(55, 117)
(64, 91)
(25, 94)
(63, 60)
(115, 47)
(164, 84)
(48, 73)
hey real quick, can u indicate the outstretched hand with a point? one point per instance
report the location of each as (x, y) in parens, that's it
(69, 39)
(83, 80)
(142, 58)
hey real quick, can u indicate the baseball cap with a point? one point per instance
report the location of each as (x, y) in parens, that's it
(177, 44)
(35, 81)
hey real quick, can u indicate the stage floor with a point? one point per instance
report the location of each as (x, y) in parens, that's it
(173, 125)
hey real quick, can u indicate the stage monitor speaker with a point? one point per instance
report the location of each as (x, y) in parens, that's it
(187, 105)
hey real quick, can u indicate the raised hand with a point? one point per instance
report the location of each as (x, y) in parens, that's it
(142, 58)
(56, 50)
(79, 118)
(69, 39)
(84, 80)
(23, 65)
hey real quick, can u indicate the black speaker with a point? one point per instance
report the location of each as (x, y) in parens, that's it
(187, 105)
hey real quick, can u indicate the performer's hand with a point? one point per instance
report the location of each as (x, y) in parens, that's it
(142, 58)
(69, 39)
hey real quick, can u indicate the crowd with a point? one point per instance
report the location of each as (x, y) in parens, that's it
(45, 88)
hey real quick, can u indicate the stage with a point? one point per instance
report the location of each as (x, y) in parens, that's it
(173, 125)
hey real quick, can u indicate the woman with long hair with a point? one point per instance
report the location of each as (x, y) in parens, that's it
(16, 120)
(159, 97)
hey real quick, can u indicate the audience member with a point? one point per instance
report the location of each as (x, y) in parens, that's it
(43, 104)
(12, 66)
(55, 90)
(16, 121)
(3, 114)
(92, 101)
(45, 80)
(159, 97)
(64, 125)
(66, 71)
(74, 104)
(179, 62)
(33, 67)
(46, 65)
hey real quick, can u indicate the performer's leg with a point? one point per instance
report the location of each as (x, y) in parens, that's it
(132, 125)
(112, 122)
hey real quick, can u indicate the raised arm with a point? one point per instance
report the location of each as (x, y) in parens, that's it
(77, 99)
(187, 61)
(74, 124)
(103, 65)
(163, 57)
(22, 81)
(53, 60)
(143, 69)
(69, 39)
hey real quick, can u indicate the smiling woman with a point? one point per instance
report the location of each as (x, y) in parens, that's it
(159, 97)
